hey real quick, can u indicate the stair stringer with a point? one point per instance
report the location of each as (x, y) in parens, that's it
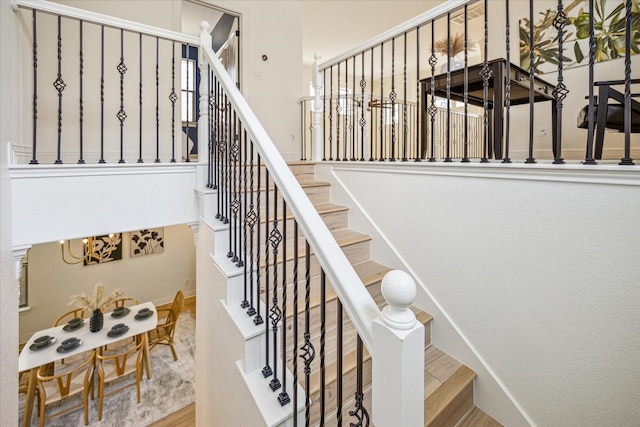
(236, 393)
(499, 402)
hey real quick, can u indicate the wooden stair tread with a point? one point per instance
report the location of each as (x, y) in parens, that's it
(348, 365)
(322, 208)
(439, 402)
(478, 418)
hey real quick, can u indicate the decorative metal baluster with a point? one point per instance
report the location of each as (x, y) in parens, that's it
(157, 160)
(360, 412)
(210, 145)
(140, 101)
(560, 92)
(627, 160)
(230, 182)
(345, 110)
(252, 219)
(324, 116)
(433, 110)
(266, 371)
(81, 159)
(34, 20)
(371, 127)
(363, 121)
(486, 73)
(405, 123)
(240, 206)
(339, 365)
(338, 118)
(381, 124)
(188, 128)
(308, 351)
(419, 98)
(392, 97)
(247, 293)
(173, 97)
(258, 319)
(122, 115)
(275, 313)
(295, 323)
(353, 111)
(592, 59)
(330, 114)
(102, 94)
(465, 154)
(507, 101)
(323, 335)
(59, 85)
(531, 159)
(447, 130)
(283, 398)
(233, 192)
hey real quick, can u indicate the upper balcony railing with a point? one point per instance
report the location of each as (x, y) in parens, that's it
(528, 93)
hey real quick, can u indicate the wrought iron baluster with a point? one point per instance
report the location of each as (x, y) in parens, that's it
(371, 126)
(338, 116)
(140, 100)
(121, 115)
(363, 120)
(381, 124)
(447, 133)
(283, 398)
(560, 92)
(258, 320)
(157, 160)
(173, 97)
(392, 97)
(531, 159)
(34, 20)
(627, 160)
(188, 102)
(211, 135)
(353, 111)
(295, 323)
(405, 123)
(360, 412)
(465, 149)
(507, 101)
(419, 100)
(331, 114)
(592, 59)
(323, 336)
(59, 85)
(345, 110)
(245, 239)
(252, 219)
(81, 75)
(275, 313)
(308, 351)
(266, 371)
(339, 364)
(433, 110)
(233, 191)
(486, 76)
(324, 116)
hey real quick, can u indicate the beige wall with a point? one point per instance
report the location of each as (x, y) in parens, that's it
(154, 277)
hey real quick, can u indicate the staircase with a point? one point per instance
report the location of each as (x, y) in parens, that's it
(448, 384)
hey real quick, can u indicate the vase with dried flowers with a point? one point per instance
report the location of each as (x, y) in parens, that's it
(95, 303)
(453, 47)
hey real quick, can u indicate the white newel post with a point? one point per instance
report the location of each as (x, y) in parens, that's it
(203, 118)
(398, 362)
(316, 129)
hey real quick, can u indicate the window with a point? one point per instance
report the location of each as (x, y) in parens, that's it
(23, 280)
(188, 90)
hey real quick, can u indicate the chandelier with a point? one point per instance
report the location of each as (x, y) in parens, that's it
(95, 249)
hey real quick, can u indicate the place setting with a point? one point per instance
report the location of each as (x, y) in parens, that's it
(143, 313)
(69, 344)
(73, 324)
(120, 312)
(117, 330)
(42, 342)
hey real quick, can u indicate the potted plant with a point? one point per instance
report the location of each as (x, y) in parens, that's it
(452, 47)
(95, 303)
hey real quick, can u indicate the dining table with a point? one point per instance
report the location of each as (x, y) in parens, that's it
(32, 357)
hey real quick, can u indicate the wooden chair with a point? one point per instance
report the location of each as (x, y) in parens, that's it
(163, 333)
(116, 364)
(73, 314)
(53, 388)
(122, 302)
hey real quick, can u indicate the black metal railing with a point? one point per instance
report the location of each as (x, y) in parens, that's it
(87, 111)
(472, 73)
(282, 279)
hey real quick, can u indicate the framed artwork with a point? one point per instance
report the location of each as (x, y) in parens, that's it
(101, 249)
(147, 242)
(609, 24)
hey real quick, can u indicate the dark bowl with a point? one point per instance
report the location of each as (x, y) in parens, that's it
(143, 310)
(118, 309)
(117, 327)
(75, 322)
(68, 343)
(41, 341)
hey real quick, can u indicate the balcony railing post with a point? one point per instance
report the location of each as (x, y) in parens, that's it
(398, 365)
(317, 138)
(203, 119)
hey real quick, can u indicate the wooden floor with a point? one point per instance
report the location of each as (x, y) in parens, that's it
(186, 417)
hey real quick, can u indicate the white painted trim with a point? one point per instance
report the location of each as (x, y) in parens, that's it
(74, 170)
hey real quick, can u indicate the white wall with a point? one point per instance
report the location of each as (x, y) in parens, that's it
(8, 283)
(155, 277)
(535, 268)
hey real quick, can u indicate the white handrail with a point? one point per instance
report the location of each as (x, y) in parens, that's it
(355, 299)
(98, 18)
(432, 14)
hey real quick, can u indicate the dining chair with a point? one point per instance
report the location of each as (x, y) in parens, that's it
(163, 333)
(73, 314)
(53, 388)
(115, 364)
(122, 302)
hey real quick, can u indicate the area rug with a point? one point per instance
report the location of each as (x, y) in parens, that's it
(171, 389)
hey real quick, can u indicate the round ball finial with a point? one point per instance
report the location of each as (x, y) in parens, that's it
(399, 290)
(204, 26)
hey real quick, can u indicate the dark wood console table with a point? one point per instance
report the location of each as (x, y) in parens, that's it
(543, 91)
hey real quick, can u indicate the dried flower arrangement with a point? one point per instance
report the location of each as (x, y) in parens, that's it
(457, 45)
(98, 300)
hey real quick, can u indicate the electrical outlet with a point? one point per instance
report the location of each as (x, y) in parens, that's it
(543, 132)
